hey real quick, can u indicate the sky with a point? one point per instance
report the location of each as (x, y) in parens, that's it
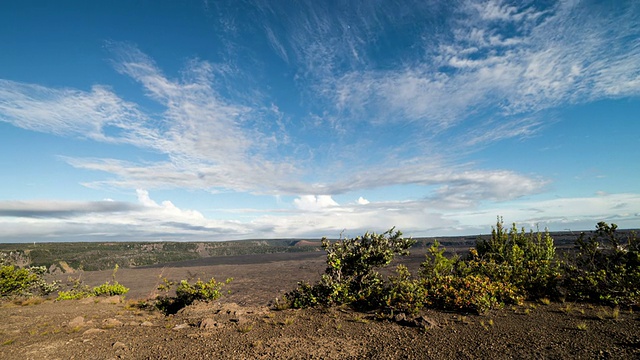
(222, 120)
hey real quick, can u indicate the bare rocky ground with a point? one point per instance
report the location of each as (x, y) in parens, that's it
(242, 325)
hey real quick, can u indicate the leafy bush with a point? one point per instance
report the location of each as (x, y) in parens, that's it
(15, 281)
(525, 260)
(200, 290)
(351, 277)
(605, 269)
(73, 294)
(108, 289)
(81, 291)
(187, 293)
(462, 285)
(507, 268)
(405, 294)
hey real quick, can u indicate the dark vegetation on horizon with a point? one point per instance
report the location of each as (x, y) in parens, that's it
(91, 256)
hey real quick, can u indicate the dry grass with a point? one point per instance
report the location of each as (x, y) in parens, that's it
(244, 328)
(545, 301)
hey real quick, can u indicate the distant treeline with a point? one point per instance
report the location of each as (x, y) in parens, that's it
(90, 256)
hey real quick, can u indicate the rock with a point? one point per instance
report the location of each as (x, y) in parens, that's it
(76, 322)
(111, 323)
(116, 299)
(147, 323)
(119, 345)
(425, 322)
(402, 317)
(181, 326)
(92, 331)
(238, 319)
(209, 323)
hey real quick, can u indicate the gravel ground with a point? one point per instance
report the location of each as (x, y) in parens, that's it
(243, 326)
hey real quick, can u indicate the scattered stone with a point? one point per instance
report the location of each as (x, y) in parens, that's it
(92, 331)
(238, 319)
(425, 322)
(119, 345)
(209, 323)
(421, 321)
(111, 323)
(76, 322)
(147, 323)
(88, 300)
(116, 299)
(399, 318)
(181, 326)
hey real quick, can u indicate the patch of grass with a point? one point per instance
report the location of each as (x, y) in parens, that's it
(357, 318)
(545, 301)
(8, 342)
(615, 313)
(491, 322)
(75, 329)
(245, 328)
(281, 305)
(35, 300)
(288, 321)
(567, 308)
(582, 326)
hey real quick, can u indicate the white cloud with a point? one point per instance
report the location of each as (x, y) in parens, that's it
(315, 216)
(314, 203)
(362, 201)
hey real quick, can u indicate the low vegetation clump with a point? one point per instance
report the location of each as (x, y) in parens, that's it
(81, 291)
(351, 276)
(187, 293)
(24, 282)
(605, 269)
(507, 268)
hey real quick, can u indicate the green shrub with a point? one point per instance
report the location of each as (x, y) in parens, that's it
(524, 260)
(200, 290)
(605, 269)
(351, 277)
(187, 293)
(81, 291)
(15, 281)
(108, 289)
(462, 285)
(73, 295)
(405, 294)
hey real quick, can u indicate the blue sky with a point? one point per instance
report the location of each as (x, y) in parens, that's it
(216, 120)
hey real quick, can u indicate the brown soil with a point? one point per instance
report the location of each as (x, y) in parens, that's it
(243, 326)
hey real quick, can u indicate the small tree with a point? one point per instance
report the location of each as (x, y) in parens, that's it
(351, 276)
(606, 268)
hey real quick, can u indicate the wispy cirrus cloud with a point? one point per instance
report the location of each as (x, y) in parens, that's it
(373, 112)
